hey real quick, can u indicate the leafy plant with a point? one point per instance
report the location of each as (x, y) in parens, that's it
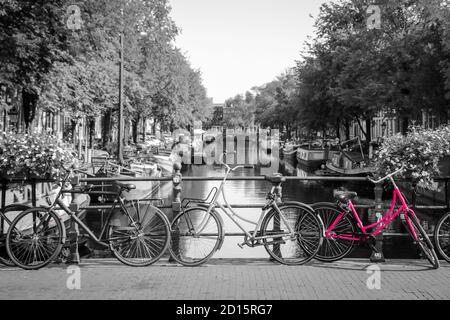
(31, 156)
(419, 151)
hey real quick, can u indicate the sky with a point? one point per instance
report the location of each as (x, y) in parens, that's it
(240, 44)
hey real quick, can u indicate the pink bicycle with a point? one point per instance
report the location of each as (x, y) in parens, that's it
(344, 228)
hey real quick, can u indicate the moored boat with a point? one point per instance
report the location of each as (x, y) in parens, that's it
(290, 152)
(313, 158)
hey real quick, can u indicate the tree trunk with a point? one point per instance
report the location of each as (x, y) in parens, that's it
(368, 129)
(106, 129)
(337, 128)
(29, 101)
(126, 132)
(143, 128)
(135, 125)
(361, 127)
(73, 128)
(347, 130)
(91, 133)
(405, 124)
(154, 127)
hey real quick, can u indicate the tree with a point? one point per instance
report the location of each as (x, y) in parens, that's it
(77, 72)
(397, 68)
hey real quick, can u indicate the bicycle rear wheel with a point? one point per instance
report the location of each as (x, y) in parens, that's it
(280, 245)
(334, 249)
(196, 236)
(35, 238)
(421, 238)
(442, 237)
(141, 240)
(9, 213)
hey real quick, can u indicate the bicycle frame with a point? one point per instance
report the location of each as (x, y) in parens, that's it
(378, 226)
(101, 240)
(229, 211)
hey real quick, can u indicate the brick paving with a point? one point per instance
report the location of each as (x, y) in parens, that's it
(229, 279)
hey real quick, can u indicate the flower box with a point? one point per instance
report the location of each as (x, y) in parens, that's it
(33, 156)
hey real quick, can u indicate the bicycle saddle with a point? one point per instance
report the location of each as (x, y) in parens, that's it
(275, 179)
(344, 196)
(125, 186)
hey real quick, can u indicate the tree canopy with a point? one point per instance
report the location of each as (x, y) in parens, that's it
(350, 72)
(76, 69)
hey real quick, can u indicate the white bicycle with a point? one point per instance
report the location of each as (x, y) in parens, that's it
(291, 232)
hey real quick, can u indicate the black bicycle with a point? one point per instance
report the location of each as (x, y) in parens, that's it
(136, 232)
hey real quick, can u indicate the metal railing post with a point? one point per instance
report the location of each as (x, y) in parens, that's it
(176, 204)
(4, 189)
(376, 215)
(73, 233)
(276, 220)
(2, 221)
(176, 199)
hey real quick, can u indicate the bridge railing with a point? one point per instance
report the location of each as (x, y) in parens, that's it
(376, 209)
(177, 178)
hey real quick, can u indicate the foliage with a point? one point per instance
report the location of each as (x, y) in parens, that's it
(276, 101)
(238, 111)
(354, 72)
(33, 156)
(77, 71)
(419, 151)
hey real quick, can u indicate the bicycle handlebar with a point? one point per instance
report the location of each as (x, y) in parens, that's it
(386, 177)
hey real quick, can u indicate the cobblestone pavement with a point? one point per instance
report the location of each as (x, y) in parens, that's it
(229, 279)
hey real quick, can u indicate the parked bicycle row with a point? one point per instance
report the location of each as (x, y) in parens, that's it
(139, 234)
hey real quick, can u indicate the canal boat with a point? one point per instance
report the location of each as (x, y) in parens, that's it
(350, 163)
(289, 152)
(313, 158)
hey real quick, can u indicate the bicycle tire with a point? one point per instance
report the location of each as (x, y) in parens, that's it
(184, 241)
(4, 257)
(30, 227)
(308, 229)
(423, 241)
(442, 237)
(334, 249)
(145, 245)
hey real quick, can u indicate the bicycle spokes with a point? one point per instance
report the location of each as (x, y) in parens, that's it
(142, 240)
(35, 238)
(292, 248)
(196, 234)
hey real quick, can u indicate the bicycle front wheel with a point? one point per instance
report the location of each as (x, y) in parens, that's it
(442, 237)
(196, 236)
(35, 238)
(290, 249)
(421, 238)
(8, 214)
(140, 236)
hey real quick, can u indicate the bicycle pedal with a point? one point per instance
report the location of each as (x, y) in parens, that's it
(241, 245)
